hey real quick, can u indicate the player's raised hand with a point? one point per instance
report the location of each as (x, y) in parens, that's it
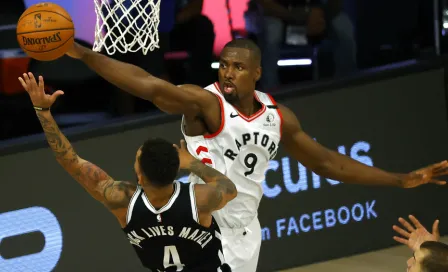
(184, 156)
(36, 91)
(414, 236)
(426, 175)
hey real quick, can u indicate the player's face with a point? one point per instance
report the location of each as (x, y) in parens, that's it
(238, 73)
(414, 263)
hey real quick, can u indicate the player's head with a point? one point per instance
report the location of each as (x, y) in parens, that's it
(239, 69)
(156, 163)
(431, 257)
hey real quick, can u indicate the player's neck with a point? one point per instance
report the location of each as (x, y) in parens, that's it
(247, 106)
(158, 196)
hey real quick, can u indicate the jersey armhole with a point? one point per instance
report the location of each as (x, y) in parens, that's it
(279, 112)
(194, 209)
(131, 204)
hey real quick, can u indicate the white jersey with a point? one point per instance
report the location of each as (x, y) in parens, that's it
(241, 149)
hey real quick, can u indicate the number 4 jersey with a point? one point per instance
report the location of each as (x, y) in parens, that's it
(241, 149)
(170, 238)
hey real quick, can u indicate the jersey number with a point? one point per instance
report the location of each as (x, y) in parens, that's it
(171, 254)
(250, 161)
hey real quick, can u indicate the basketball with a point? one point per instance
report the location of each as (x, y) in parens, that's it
(45, 31)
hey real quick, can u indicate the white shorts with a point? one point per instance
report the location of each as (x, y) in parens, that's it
(242, 246)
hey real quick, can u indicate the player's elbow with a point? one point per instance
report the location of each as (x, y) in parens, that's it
(322, 168)
(71, 165)
(226, 194)
(231, 192)
(169, 98)
(69, 161)
(323, 165)
(150, 88)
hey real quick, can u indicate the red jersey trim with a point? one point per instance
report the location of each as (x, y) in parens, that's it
(242, 115)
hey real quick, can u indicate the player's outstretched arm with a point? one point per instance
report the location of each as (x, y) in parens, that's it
(188, 99)
(339, 167)
(217, 191)
(113, 194)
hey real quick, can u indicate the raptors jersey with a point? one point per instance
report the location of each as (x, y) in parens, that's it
(241, 149)
(170, 238)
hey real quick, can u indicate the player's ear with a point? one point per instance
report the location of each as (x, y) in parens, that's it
(140, 179)
(257, 73)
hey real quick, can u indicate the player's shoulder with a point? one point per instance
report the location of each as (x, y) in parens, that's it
(285, 111)
(265, 98)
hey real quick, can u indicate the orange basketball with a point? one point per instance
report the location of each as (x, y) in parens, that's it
(45, 31)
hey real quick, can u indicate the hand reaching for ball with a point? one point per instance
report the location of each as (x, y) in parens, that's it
(36, 91)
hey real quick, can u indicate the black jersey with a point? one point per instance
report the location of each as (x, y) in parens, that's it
(170, 238)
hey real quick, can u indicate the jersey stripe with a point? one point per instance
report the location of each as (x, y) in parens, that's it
(194, 209)
(207, 161)
(255, 115)
(221, 256)
(242, 115)
(200, 149)
(167, 205)
(132, 203)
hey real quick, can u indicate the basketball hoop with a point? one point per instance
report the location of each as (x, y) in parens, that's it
(126, 25)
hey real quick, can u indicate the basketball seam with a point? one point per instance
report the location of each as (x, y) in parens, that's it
(21, 18)
(51, 49)
(37, 31)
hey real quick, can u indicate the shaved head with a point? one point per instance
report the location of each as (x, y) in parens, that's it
(249, 45)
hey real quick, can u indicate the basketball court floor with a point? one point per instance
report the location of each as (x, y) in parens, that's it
(386, 260)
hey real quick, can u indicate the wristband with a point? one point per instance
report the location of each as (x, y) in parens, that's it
(41, 109)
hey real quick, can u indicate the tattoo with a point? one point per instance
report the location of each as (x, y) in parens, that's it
(87, 172)
(223, 186)
(216, 196)
(61, 147)
(94, 179)
(118, 194)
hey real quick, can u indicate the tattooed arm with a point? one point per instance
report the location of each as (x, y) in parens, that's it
(217, 191)
(113, 194)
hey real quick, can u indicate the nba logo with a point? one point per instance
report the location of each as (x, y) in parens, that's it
(37, 20)
(159, 218)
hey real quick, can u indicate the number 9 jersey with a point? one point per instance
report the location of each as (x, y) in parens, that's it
(241, 149)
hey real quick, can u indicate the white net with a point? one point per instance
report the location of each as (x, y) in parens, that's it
(126, 25)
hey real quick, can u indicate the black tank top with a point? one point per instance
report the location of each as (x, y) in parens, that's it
(170, 238)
